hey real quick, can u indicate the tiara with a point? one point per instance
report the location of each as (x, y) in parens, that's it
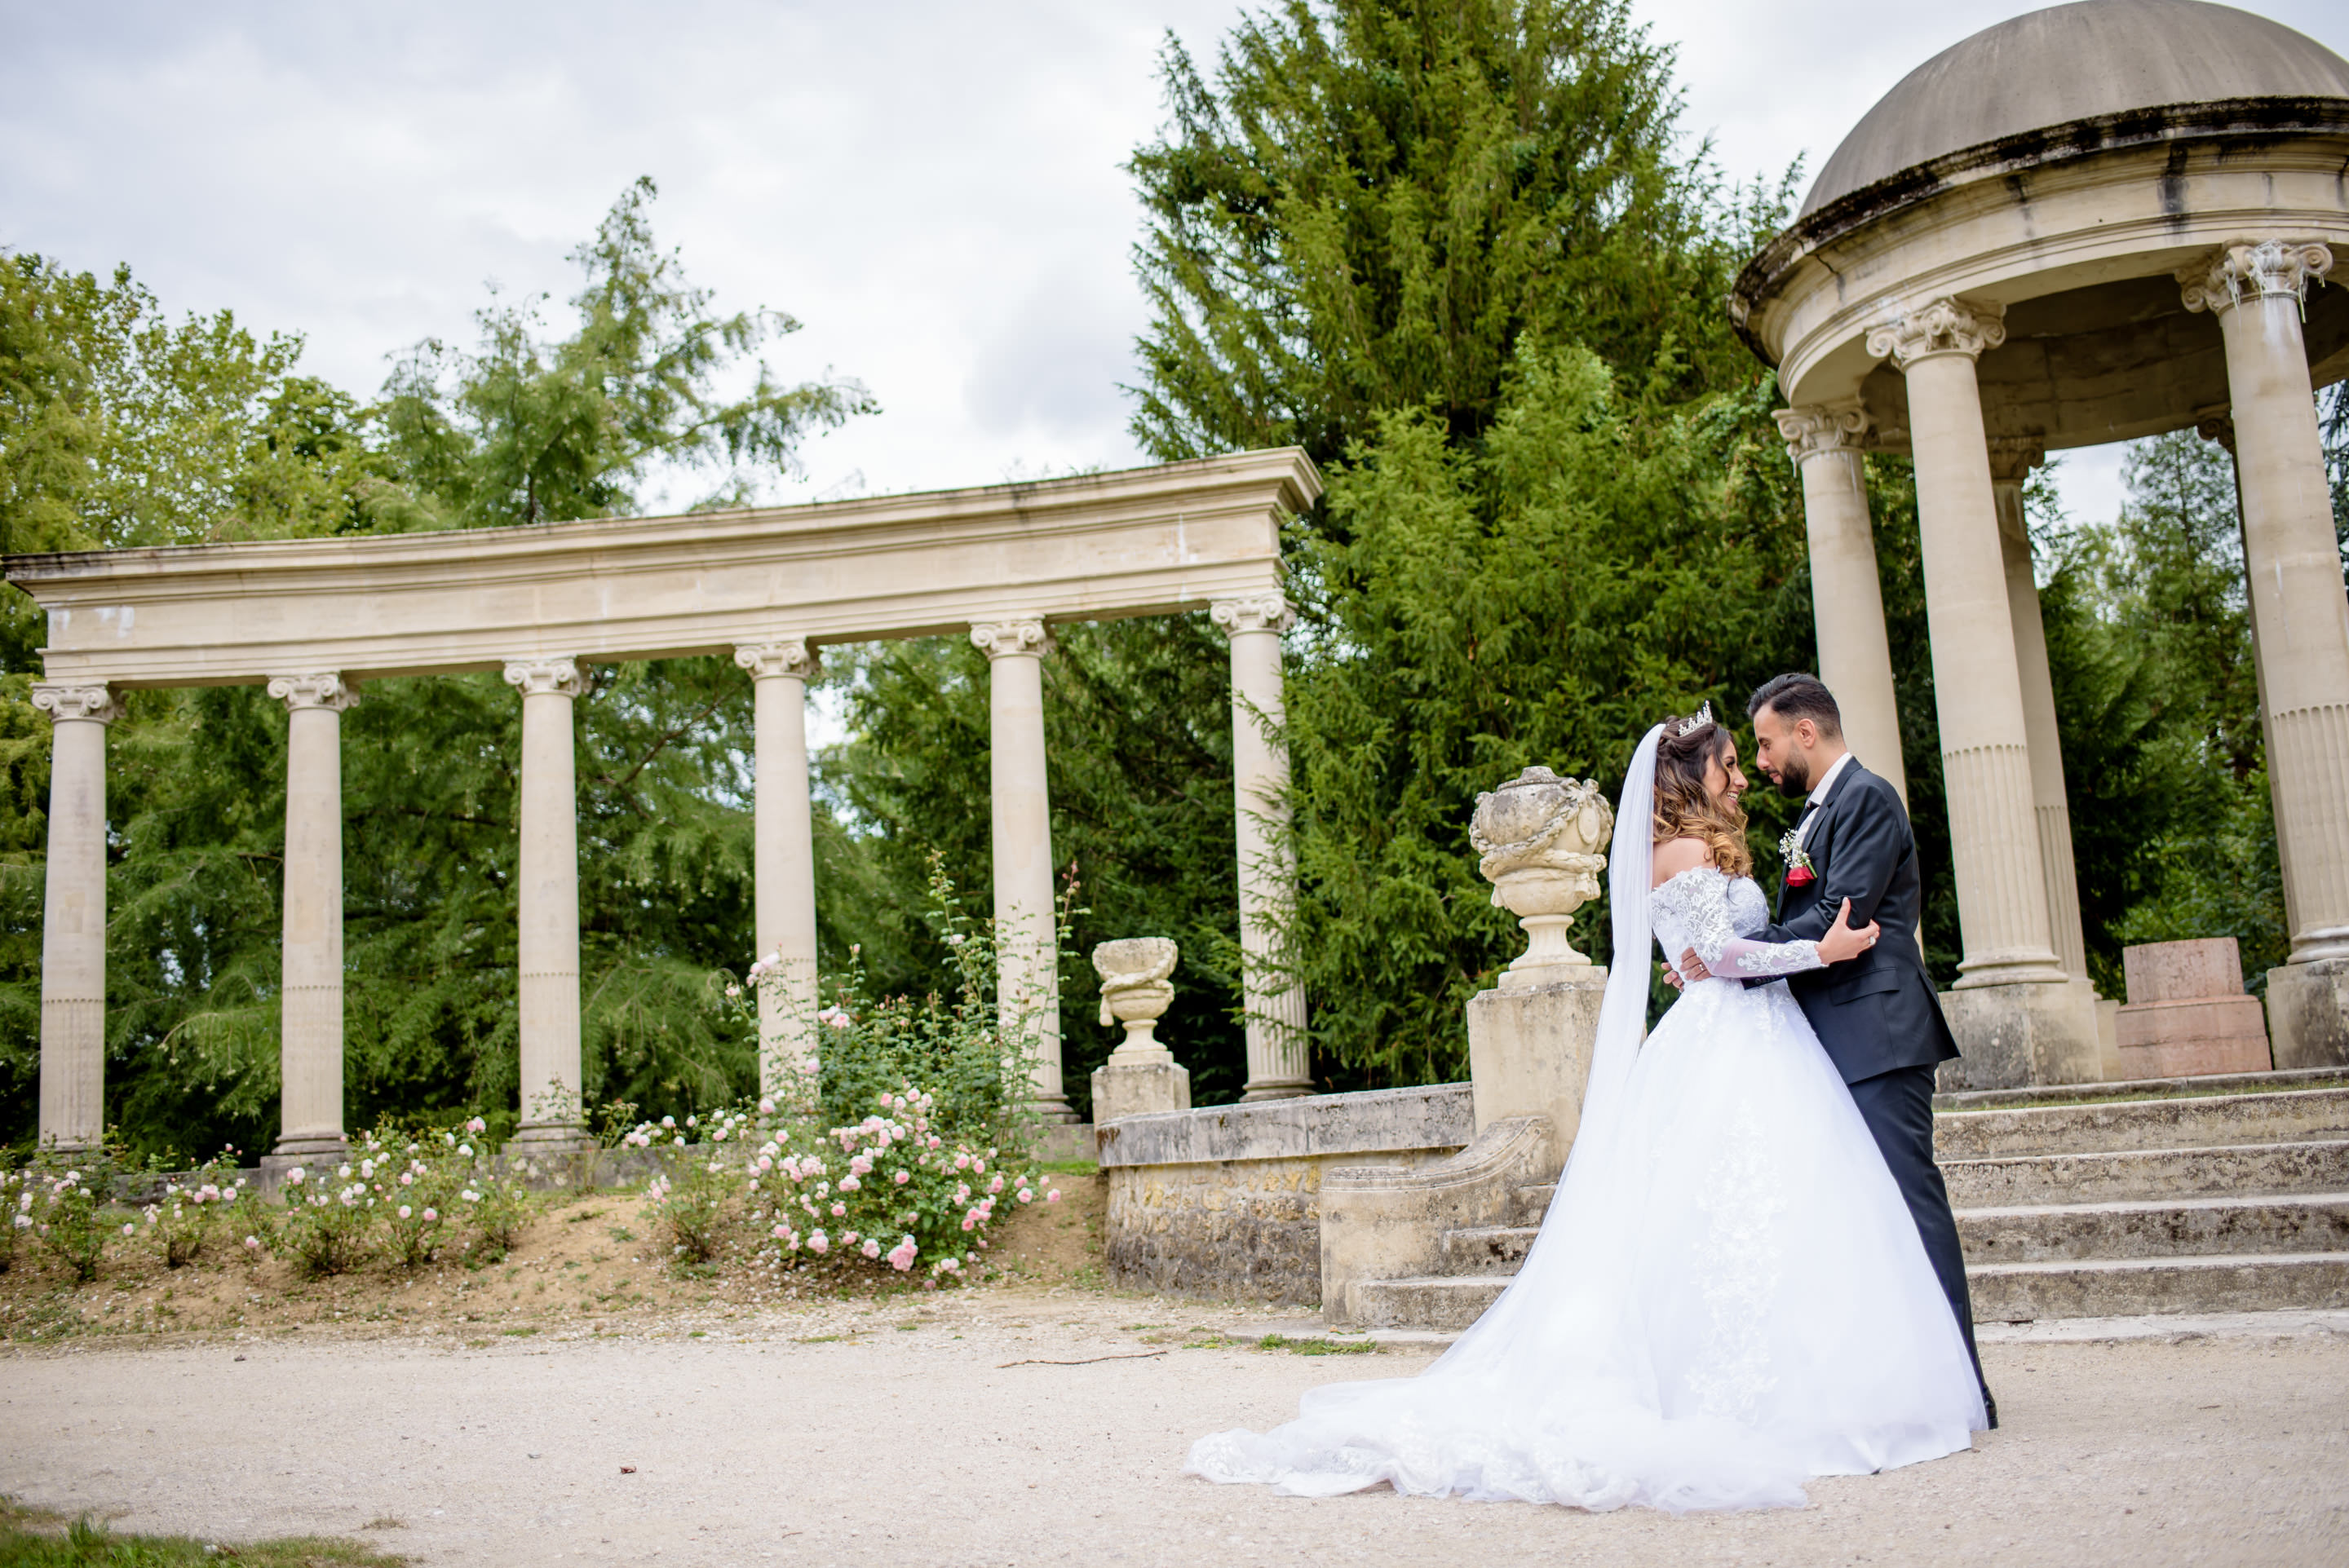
(1702, 717)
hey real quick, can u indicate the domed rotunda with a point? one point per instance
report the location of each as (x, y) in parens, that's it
(2091, 223)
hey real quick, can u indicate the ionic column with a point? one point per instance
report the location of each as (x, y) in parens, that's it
(2011, 463)
(1978, 687)
(1028, 983)
(72, 921)
(1847, 595)
(2293, 572)
(1276, 1063)
(310, 1044)
(548, 898)
(784, 858)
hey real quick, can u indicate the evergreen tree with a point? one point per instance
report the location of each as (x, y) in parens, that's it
(124, 427)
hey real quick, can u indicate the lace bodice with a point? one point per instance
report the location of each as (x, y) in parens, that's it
(1709, 910)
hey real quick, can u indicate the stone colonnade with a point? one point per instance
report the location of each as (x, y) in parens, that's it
(73, 973)
(2022, 978)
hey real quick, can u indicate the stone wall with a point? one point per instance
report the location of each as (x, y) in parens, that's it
(1225, 1203)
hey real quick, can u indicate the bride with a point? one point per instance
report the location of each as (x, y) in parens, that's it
(1728, 1295)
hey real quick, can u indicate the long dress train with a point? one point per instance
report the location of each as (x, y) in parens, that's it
(1728, 1295)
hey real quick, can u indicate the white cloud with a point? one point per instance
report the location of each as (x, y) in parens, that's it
(934, 189)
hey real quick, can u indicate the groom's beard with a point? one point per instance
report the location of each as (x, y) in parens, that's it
(1795, 777)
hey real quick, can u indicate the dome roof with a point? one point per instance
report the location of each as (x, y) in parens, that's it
(2071, 63)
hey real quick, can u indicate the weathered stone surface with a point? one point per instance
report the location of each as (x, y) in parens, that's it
(2183, 971)
(1385, 1221)
(2189, 1227)
(1227, 1202)
(1529, 1053)
(2021, 1033)
(2280, 1080)
(2308, 1014)
(2318, 1166)
(2020, 1293)
(1139, 1088)
(2194, 1038)
(2172, 1123)
(1436, 1115)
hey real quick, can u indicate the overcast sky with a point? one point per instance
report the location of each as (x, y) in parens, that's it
(933, 189)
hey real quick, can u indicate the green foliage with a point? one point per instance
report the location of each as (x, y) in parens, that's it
(523, 430)
(1137, 718)
(32, 1538)
(119, 426)
(1375, 199)
(2149, 644)
(1541, 599)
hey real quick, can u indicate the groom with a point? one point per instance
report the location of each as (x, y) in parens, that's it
(1877, 1014)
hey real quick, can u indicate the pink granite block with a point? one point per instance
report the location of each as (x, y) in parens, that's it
(2183, 971)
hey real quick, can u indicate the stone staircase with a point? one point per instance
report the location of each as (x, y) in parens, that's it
(2110, 1200)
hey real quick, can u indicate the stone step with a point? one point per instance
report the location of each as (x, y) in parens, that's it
(2192, 1227)
(2176, 1123)
(2142, 1088)
(1449, 1302)
(2148, 1175)
(2132, 1287)
(2002, 1293)
(1487, 1249)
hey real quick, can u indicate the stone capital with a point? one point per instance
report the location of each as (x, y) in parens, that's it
(789, 656)
(1256, 612)
(2216, 425)
(2011, 458)
(90, 702)
(545, 678)
(2253, 269)
(1945, 325)
(1816, 427)
(1025, 634)
(319, 689)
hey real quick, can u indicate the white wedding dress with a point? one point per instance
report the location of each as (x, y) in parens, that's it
(1727, 1298)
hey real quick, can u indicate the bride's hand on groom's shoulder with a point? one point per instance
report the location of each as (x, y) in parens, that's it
(1844, 940)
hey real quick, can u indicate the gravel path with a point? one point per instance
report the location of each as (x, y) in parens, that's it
(837, 1436)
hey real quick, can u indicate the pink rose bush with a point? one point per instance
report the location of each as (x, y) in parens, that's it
(885, 1190)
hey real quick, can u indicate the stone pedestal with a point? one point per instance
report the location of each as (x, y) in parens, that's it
(1142, 1075)
(2308, 1014)
(2187, 1013)
(1529, 1051)
(2022, 1034)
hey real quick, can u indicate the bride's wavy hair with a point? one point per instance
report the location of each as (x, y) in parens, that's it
(1683, 808)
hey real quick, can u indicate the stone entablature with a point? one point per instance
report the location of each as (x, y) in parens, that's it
(1149, 541)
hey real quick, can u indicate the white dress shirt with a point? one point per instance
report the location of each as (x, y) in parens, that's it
(1819, 794)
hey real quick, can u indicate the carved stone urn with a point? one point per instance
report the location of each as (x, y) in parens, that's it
(1135, 992)
(1542, 838)
(1142, 1075)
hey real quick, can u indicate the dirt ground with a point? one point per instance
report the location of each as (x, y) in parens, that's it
(585, 1261)
(1042, 1421)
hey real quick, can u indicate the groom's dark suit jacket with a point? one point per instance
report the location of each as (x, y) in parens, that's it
(1877, 1012)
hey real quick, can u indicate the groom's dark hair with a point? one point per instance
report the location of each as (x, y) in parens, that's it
(1798, 696)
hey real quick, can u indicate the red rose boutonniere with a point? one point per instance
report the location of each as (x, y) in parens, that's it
(1800, 871)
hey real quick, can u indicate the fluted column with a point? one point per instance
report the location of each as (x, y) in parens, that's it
(1847, 595)
(1277, 1068)
(1028, 984)
(548, 897)
(783, 859)
(310, 1041)
(2011, 465)
(1978, 688)
(73, 921)
(2293, 572)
